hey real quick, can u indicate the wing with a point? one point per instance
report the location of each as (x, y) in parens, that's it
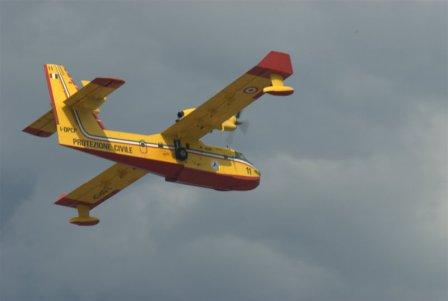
(97, 190)
(42, 127)
(266, 77)
(93, 94)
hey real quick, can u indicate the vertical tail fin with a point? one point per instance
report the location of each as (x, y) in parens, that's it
(59, 88)
(63, 91)
(74, 114)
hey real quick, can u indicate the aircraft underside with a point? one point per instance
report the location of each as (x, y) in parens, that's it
(176, 172)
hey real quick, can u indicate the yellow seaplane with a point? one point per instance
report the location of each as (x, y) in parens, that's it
(177, 153)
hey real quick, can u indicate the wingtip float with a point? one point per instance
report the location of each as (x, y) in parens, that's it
(177, 153)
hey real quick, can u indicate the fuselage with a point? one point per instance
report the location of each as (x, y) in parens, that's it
(206, 166)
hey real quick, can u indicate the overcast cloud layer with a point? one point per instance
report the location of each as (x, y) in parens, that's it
(353, 199)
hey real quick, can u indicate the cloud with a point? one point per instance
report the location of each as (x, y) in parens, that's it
(353, 196)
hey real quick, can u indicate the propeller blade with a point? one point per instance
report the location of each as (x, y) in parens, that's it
(244, 126)
(238, 115)
(229, 138)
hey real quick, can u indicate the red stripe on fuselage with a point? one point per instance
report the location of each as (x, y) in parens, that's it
(175, 172)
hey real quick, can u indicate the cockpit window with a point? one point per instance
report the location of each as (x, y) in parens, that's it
(240, 156)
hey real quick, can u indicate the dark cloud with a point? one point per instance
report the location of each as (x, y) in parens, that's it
(353, 196)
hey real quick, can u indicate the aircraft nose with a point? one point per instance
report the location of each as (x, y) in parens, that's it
(247, 183)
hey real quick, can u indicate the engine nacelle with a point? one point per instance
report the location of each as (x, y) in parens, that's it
(184, 112)
(230, 124)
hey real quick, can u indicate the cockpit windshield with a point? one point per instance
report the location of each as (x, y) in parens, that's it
(240, 156)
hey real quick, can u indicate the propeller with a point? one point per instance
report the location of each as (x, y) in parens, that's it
(243, 125)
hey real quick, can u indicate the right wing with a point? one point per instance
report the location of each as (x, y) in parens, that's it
(97, 190)
(266, 77)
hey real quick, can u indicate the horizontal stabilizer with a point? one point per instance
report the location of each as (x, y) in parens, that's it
(42, 127)
(93, 94)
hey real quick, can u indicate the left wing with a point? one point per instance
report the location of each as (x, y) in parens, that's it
(97, 190)
(266, 77)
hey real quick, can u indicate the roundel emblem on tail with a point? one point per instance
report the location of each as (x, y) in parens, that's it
(214, 165)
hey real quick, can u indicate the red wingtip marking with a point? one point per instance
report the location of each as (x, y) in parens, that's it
(62, 195)
(36, 132)
(275, 62)
(108, 82)
(64, 201)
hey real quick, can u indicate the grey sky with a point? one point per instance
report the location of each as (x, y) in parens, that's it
(352, 203)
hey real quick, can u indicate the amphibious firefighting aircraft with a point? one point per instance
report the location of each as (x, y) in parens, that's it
(177, 153)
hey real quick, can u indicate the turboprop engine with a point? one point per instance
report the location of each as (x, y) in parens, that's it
(227, 126)
(184, 112)
(230, 124)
